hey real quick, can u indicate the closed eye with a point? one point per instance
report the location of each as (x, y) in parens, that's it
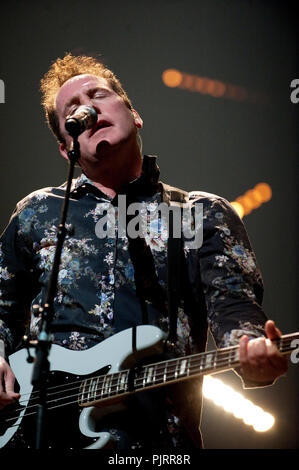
(98, 93)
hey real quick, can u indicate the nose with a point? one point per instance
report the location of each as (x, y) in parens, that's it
(89, 102)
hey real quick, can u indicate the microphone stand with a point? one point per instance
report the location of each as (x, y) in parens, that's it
(42, 366)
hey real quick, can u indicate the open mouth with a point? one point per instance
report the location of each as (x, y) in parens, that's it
(100, 125)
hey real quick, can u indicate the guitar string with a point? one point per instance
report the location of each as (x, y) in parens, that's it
(172, 364)
(169, 361)
(166, 364)
(114, 388)
(139, 382)
(26, 413)
(102, 378)
(50, 409)
(218, 353)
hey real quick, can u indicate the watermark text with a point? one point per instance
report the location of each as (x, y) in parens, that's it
(295, 354)
(295, 93)
(151, 221)
(2, 91)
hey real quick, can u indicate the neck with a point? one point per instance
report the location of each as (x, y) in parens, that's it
(110, 178)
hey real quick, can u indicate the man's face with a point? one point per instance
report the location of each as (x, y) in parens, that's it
(116, 125)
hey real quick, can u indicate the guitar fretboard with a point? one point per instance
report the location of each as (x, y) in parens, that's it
(106, 387)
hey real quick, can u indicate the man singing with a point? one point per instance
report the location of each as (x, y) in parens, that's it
(107, 285)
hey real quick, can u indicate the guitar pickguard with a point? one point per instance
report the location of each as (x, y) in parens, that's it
(69, 425)
(62, 416)
(87, 390)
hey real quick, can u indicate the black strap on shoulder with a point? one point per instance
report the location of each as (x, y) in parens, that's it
(148, 287)
(174, 252)
(174, 197)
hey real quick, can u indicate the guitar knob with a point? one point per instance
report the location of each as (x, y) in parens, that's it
(36, 310)
(170, 346)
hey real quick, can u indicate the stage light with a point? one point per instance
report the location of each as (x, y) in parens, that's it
(238, 208)
(219, 89)
(264, 191)
(252, 199)
(174, 78)
(235, 403)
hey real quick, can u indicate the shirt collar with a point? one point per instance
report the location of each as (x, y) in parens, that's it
(146, 183)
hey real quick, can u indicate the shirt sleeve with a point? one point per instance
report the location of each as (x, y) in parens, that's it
(230, 276)
(15, 285)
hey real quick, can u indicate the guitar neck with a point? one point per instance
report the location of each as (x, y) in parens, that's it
(108, 387)
(203, 363)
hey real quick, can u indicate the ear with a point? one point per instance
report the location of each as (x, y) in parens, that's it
(63, 151)
(137, 119)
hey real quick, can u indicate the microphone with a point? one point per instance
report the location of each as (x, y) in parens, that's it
(83, 118)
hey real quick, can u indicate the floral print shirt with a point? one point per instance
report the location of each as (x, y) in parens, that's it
(96, 291)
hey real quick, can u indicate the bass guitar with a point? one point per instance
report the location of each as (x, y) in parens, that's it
(93, 383)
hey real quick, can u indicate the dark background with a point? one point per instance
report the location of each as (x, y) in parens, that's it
(213, 144)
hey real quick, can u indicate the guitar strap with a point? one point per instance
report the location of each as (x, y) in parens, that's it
(174, 262)
(147, 284)
(176, 199)
(183, 396)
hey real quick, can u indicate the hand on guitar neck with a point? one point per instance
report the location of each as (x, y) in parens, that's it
(261, 362)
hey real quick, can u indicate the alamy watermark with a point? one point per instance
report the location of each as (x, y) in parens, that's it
(2, 91)
(151, 221)
(295, 93)
(295, 354)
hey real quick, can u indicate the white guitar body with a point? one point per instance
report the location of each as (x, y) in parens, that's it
(119, 351)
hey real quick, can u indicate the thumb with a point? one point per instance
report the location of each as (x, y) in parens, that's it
(271, 330)
(9, 386)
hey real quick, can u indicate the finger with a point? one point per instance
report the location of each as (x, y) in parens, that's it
(257, 352)
(271, 330)
(12, 395)
(6, 400)
(243, 349)
(9, 380)
(246, 366)
(9, 383)
(276, 363)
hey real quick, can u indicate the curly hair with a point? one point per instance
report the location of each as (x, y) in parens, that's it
(64, 69)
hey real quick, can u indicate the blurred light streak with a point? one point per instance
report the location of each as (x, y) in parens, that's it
(174, 78)
(252, 199)
(235, 403)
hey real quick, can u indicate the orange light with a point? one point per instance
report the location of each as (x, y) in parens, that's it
(172, 78)
(218, 89)
(252, 199)
(187, 82)
(210, 87)
(264, 191)
(200, 84)
(238, 208)
(245, 203)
